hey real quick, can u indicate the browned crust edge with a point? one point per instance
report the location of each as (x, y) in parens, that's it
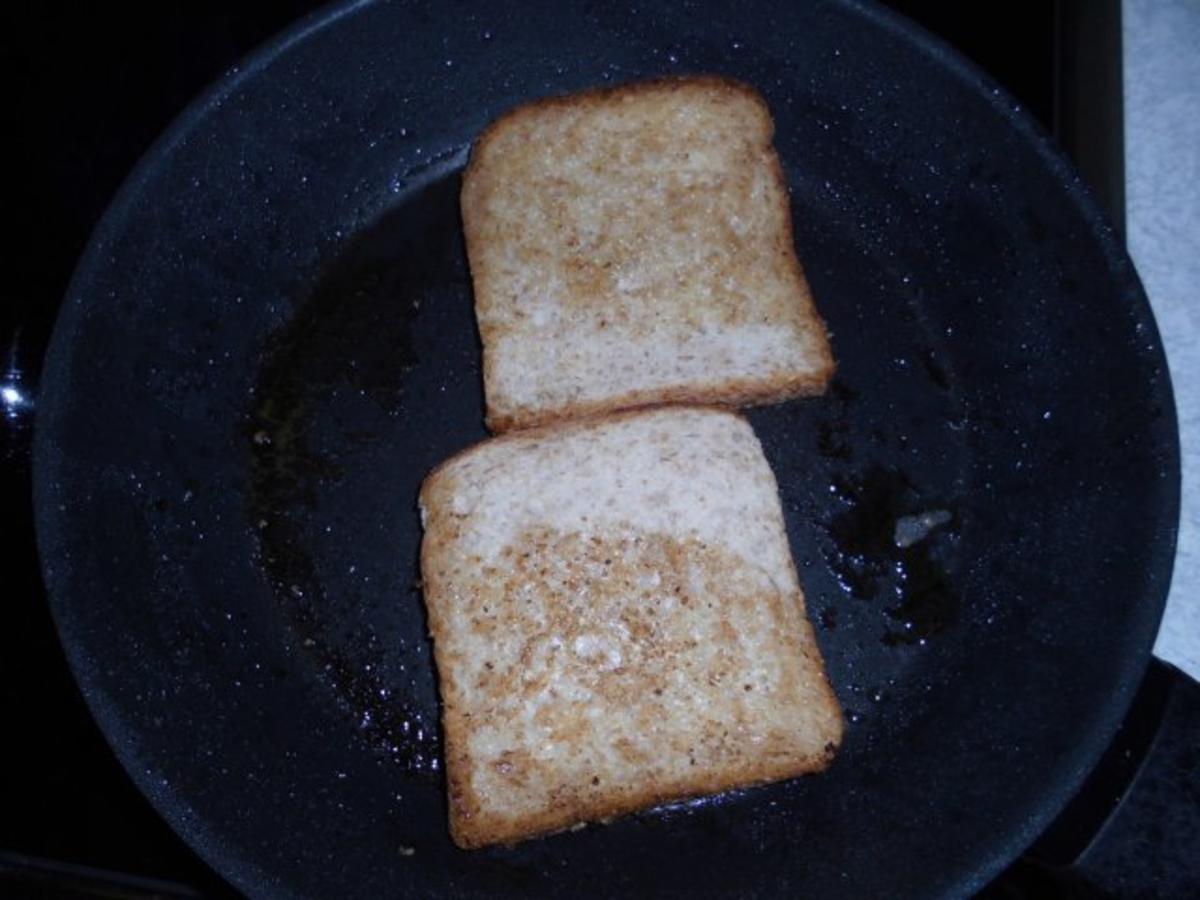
(584, 422)
(731, 394)
(592, 96)
(471, 835)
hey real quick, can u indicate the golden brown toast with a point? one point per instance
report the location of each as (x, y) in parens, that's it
(633, 246)
(617, 622)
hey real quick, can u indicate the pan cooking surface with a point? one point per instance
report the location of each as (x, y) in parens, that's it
(270, 342)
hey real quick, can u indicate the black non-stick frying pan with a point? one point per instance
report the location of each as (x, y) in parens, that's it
(270, 341)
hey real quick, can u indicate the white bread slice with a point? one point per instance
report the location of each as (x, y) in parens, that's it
(617, 622)
(633, 246)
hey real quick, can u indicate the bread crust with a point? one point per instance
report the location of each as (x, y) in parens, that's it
(732, 395)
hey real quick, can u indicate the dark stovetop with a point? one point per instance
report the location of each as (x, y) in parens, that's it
(93, 85)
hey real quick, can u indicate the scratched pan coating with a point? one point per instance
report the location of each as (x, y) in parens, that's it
(270, 341)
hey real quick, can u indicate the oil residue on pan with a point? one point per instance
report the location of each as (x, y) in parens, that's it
(348, 348)
(890, 523)
(873, 554)
(285, 474)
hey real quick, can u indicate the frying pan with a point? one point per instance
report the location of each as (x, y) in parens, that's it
(269, 342)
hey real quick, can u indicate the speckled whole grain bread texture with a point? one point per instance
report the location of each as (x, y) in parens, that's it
(633, 246)
(617, 623)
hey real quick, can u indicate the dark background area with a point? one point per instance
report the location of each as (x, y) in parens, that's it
(91, 86)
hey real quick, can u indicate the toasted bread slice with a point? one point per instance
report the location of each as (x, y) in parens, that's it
(617, 622)
(633, 246)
